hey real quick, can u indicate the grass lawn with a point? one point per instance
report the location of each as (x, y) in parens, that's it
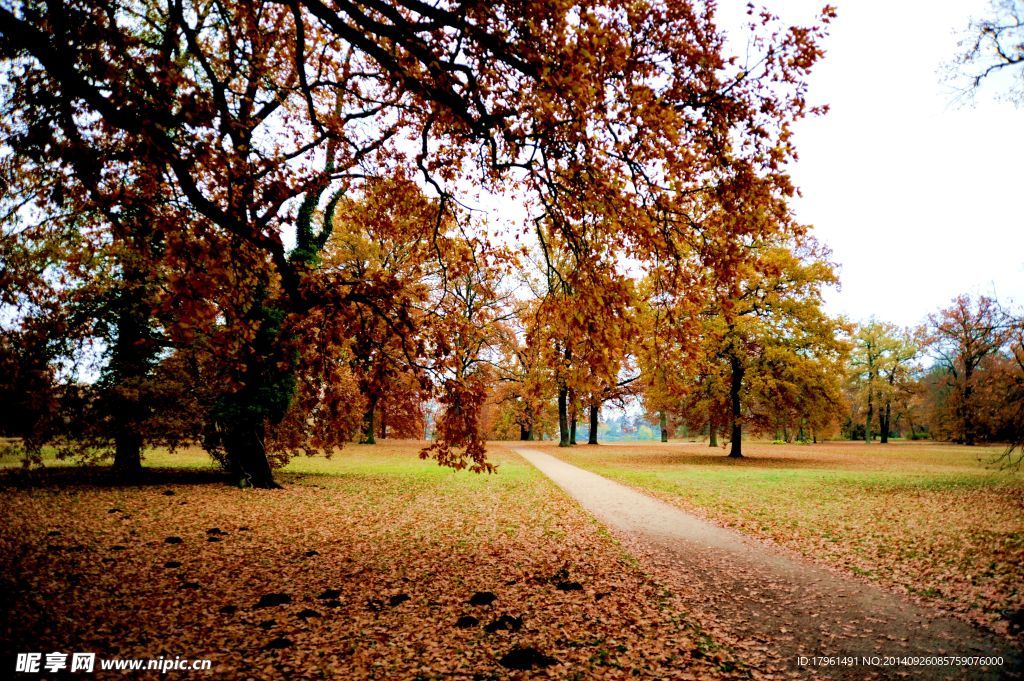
(937, 521)
(363, 567)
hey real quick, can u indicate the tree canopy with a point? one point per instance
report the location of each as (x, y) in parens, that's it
(281, 193)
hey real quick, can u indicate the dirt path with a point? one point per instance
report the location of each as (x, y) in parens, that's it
(774, 608)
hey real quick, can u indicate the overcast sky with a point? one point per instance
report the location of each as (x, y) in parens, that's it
(920, 199)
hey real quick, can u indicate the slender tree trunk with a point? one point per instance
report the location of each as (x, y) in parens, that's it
(572, 424)
(384, 423)
(869, 419)
(563, 417)
(592, 435)
(712, 433)
(664, 426)
(735, 385)
(370, 418)
(886, 415)
(563, 407)
(968, 408)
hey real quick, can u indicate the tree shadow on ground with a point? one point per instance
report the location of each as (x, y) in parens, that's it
(65, 477)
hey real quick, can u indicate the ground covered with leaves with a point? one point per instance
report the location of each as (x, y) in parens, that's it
(370, 565)
(941, 523)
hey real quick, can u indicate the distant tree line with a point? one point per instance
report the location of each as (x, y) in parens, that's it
(957, 378)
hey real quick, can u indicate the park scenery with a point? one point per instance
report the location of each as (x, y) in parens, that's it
(404, 339)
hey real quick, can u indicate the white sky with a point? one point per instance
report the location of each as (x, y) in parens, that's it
(919, 199)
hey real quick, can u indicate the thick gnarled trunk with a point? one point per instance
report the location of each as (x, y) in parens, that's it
(131, 358)
(266, 392)
(247, 454)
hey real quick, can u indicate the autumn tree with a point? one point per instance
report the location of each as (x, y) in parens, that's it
(522, 396)
(881, 366)
(582, 324)
(898, 371)
(869, 346)
(85, 276)
(33, 323)
(961, 337)
(471, 311)
(1013, 409)
(781, 341)
(376, 237)
(767, 353)
(547, 331)
(251, 118)
(666, 356)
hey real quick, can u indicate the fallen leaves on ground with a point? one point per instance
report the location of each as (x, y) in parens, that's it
(390, 568)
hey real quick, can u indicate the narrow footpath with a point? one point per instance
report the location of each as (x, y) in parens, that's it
(777, 611)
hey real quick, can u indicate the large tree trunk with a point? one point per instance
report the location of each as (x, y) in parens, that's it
(127, 453)
(563, 417)
(384, 423)
(131, 358)
(526, 429)
(267, 392)
(664, 426)
(244, 444)
(886, 415)
(128, 368)
(370, 420)
(735, 385)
